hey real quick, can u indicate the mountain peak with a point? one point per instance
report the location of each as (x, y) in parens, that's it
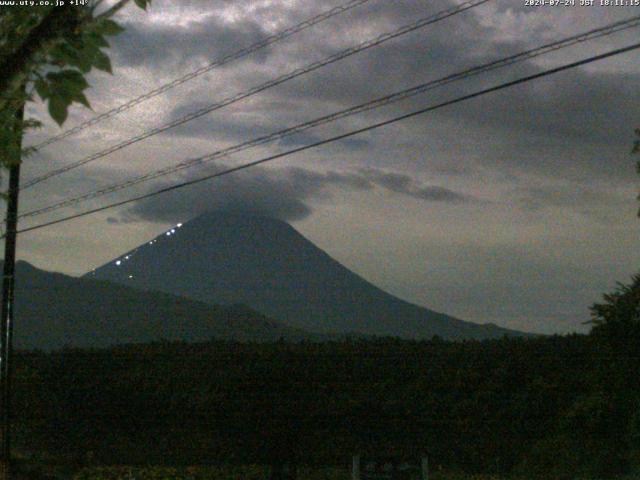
(252, 259)
(214, 216)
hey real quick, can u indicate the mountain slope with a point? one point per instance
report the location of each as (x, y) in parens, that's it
(54, 310)
(266, 264)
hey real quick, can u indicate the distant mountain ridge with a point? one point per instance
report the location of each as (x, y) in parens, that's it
(55, 310)
(223, 258)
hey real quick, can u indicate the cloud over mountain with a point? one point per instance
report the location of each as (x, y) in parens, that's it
(284, 193)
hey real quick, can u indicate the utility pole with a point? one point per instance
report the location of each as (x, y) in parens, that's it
(7, 312)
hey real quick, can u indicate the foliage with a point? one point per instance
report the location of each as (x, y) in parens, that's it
(620, 310)
(636, 150)
(476, 407)
(617, 333)
(48, 50)
(231, 472)
(245, 472)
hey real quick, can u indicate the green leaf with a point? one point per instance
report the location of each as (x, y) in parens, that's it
(97, 40)
(58, 109)
(142, 4)
(74, 77)
(42, 87)
(101, 62)
(80, 98)
(66, 82)
(109, 27)
(66, 54)
(82, 58)
(9, 147)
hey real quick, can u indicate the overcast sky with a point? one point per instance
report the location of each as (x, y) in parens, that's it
(516, 208)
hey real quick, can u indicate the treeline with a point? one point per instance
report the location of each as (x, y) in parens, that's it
(557, 406)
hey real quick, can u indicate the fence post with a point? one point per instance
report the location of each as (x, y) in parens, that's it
(425, 468)
(355, 468)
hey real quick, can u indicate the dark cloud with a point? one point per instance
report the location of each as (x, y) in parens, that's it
(236, 128)
(286, 193)
(576, 106)
(598, 108)
(160, 45)
(401, 183)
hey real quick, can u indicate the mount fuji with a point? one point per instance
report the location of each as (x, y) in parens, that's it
(264, 263)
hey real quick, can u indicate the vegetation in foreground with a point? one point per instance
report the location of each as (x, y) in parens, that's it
(549, 407)
(254, 472)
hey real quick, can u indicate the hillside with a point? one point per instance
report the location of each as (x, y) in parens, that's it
(54, 310)
(221, 258)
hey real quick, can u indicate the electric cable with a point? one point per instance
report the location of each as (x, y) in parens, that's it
(265, 42)
(390, 121)
(367, 106)
(423, 22)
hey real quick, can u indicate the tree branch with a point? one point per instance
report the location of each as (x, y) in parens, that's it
(113, 10)
(15, 69)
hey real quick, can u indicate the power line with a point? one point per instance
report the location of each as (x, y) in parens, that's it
(342, 136)
(423, 22)
(283, 34)
(370, 105)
